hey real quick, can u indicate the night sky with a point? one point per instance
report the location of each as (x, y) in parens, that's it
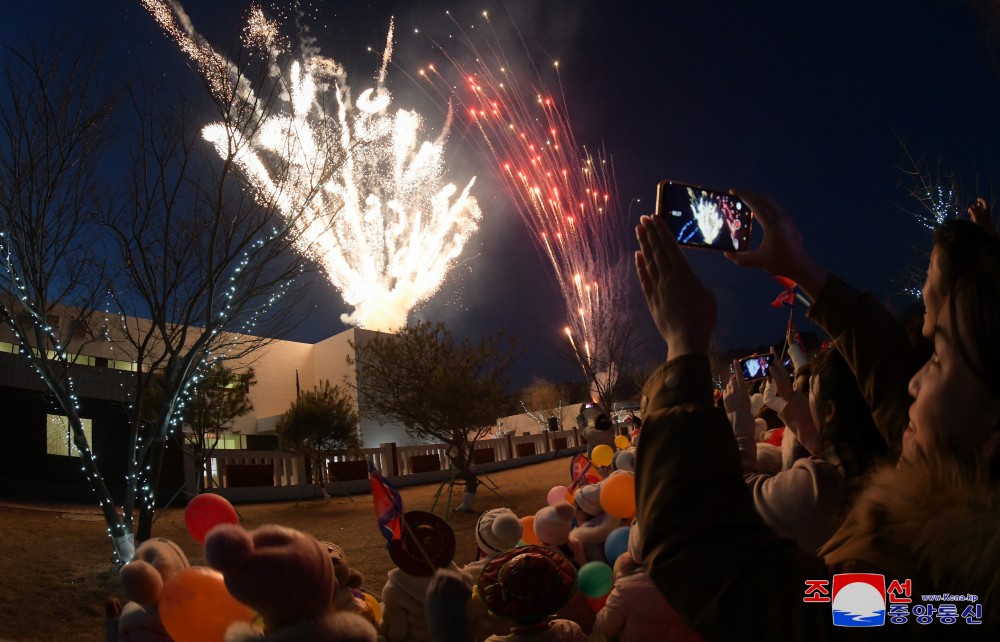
(805, 101)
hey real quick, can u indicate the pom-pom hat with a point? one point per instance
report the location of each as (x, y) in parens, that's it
(425, 535)
(554, 523)
(283, 574)
(588, 498)
(497, 530)
(527, 584)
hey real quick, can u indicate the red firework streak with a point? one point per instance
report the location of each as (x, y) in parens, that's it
(566, 196)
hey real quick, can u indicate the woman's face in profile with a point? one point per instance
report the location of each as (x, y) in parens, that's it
(952, 407)
(933, 293)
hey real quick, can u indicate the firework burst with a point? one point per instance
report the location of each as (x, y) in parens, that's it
(369, 198)
(566, 196)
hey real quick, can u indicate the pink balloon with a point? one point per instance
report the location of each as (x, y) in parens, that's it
(557, 494)
(206, 511)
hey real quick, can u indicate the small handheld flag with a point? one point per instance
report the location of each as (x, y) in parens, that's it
(388, 506)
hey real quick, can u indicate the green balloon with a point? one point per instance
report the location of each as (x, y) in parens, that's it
(595, 579)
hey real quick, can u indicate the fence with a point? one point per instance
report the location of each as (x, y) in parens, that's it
(245, 475)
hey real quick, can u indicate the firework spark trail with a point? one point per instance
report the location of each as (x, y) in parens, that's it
(368, 199)
(566, 196)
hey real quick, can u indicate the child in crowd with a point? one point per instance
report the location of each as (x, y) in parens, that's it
(594, 524)
(428, 543)
(635, 610)
(497, 530)
(526, 585)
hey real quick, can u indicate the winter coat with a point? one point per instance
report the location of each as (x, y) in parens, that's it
(804, 503)
(636, 612)
(482, 622)
(876, 347)
(555, 631)
(733, 578)
(595, 437)
(403, 617)
(592, 534)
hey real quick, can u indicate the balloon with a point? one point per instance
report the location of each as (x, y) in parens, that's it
(616, 544)
(593, 477)
(597, 603)
(557, 494)
(374, 605)
(622, 442)
(196, 607)
(618, 495)
(595, 579)
(602, 455)
(206, 511)
(528, 528)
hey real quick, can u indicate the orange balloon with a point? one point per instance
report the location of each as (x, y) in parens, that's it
(195, 606)
(528, 531)
(618, 495)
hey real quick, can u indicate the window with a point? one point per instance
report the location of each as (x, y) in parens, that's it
(60, 439)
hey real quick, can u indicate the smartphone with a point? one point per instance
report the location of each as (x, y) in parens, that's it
(756, 366)
(701, 217)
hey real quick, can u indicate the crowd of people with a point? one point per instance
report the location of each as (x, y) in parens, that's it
(868, 472)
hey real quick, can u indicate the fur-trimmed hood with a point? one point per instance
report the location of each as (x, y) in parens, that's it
(936, 522)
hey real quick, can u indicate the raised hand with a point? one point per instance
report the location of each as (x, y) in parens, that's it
(735, 397)
(682, 307)
(780, 377)
(781, 252)
(979, 212)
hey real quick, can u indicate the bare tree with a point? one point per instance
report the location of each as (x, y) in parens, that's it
(54, 133)
(543, 400)
(617, 343)
(436, 388)
(206, 258)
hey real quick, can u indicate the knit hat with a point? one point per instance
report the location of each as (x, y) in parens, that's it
(553, 523)
(424, 535)
(588, 498)
(346, 577)
(527, 584)
(283, 574)
(625, 460)
(497, 530)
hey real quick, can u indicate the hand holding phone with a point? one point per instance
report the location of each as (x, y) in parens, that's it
(701, 217)
(782, 380)
(756, 366)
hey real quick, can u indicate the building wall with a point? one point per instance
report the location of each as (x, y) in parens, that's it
(274, 367)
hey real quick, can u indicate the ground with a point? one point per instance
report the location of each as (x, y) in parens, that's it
(55, 573)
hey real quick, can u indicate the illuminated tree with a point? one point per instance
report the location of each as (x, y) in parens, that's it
(543, 400)
(438, 389)
(205, 259)
(54, 134)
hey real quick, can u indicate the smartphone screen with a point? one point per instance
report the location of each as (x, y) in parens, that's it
(756, 366)
(704, 218)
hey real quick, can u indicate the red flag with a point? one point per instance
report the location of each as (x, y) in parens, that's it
(785, 298)
(578, 467)
(785, 282)
(388, 506)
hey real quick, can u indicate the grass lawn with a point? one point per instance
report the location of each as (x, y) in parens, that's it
(56, 573)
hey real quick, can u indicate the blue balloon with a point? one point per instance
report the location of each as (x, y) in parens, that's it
(616, 544)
